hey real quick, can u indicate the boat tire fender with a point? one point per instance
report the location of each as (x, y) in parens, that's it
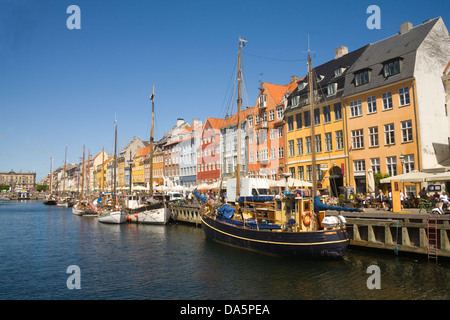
(307, 217)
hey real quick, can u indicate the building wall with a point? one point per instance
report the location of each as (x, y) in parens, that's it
(431, 59)
(384, 151)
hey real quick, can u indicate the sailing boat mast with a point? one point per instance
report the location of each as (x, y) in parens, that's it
(82, 177)
(64, 174)
(51, 174)
(115, 163)
(313, 134)
(239, 103)
(152, 97)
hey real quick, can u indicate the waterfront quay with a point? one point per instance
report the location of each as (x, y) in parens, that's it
(412, 231)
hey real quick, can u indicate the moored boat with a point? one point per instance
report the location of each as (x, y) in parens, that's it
(156, 212)
(286, 228)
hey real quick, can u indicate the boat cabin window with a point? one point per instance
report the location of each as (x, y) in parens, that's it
(254, 192)
(263, 192)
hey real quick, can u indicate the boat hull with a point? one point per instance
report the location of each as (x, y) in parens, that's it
(114, 217)
(82, 212)
(152, 216)
(312, 244)
(50, 202)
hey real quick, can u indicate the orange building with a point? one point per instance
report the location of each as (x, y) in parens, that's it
(266, 134)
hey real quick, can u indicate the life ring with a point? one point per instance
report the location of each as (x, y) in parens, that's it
(307, 217)
(207, 208)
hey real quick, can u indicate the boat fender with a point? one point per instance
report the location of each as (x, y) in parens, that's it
(307, 217)
(207, 208)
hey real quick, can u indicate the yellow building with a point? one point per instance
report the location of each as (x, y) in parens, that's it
(137, 174)
(397, 120)
(382, 133)
(330, 125)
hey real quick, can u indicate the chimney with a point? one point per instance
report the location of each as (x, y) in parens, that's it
(180, 121)
(405, 27)
(340, 51)
(294, 79)
(194, 122)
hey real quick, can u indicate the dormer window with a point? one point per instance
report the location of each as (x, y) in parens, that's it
(338, 71)
(262, 101)
(362, 77)
(331, 89)
(294, 101)
(391, 68)
(301, 86)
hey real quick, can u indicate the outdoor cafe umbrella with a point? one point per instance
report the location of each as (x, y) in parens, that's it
(413, 176)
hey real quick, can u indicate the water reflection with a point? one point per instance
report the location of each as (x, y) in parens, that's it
(132, 261)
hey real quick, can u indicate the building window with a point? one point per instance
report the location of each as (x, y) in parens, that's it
(392, 67)
(371, 104)
(299, 146)
(294, 101)
(316, 116)
(308, 145)
(281, 152)
(279, 113)
(318, 142)
(271, 115)
(408, 163)
(407, 134)
(273, 153)
(362, 78)
(280, 132)
(272, 134)
(403, 95)
(355, 108)
(319, 175)
(262, 101)
(298, 119)
(391, 166)
(359, 166)
(250, 121)
(309, 172)
(338, 71)
(387, 100)
(339, 140)
(358, 139)
(331, 89)
(256, 119)
(337, 111)
(292, 172)
(389, 136)
(307, 119)
(326, 114)
(375, 165)
(291, 148)
(300, 172)
(373, 136)
(328, 142)
(290, 123)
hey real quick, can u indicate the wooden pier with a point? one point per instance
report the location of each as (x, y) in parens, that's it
(408, 232)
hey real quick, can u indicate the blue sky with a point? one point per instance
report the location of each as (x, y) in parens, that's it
(61, 86)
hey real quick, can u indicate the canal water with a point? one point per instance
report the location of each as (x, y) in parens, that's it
(39, 245)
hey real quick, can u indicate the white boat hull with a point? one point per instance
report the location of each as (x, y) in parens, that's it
(114, 217)
(82, 212)
(152, 216)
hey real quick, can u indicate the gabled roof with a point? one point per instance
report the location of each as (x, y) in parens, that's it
(402, 45)
(325, 75)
